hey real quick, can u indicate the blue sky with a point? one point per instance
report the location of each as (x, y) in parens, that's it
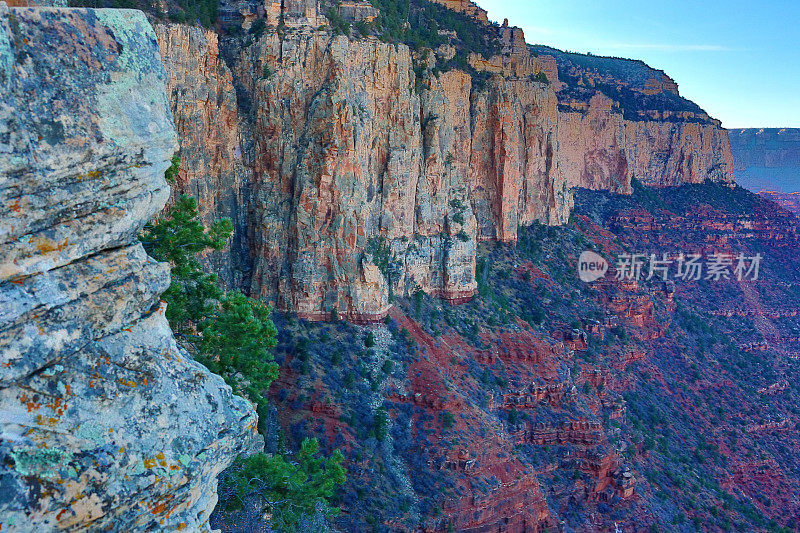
(739, 60)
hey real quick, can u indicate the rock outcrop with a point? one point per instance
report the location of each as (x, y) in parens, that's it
(620, 119)
(105, 422)
(467, 7)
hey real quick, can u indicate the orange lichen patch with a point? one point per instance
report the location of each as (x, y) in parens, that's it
(129, 330)
(121, 449)
(46, 245)
(29, 404)
(149, 463)
(127, 382)
(45, 421)
(61, 512)
(58, 406)
(15, 207)
(144, 381)
(91, 175)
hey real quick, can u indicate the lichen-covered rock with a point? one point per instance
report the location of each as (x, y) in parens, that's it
(105, 422)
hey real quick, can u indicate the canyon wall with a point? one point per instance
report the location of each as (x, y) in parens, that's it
(361, 182)
(105, 422)
(620, 119)
(354, 170)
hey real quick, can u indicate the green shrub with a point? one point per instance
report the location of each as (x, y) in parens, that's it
(290, 487)
(338, 24)
(381, 424)
(448, 420)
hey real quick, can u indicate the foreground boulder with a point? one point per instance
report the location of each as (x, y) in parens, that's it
(105, 423)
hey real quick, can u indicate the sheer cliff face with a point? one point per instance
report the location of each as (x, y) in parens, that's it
(601, 150)
(364, 181)
(671, 153)
(351, 177)
(105, 421)
(203, 104)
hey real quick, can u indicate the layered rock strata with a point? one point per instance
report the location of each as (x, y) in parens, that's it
(354, 171)
(105, 422)
(620, 120)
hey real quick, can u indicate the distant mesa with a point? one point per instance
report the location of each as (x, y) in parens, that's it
(767, 158)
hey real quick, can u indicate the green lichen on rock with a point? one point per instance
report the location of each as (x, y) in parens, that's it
(40, 462)
(92, 432)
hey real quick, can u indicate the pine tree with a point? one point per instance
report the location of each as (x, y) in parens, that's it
(177, 237)
(293, 488)
(236, 343)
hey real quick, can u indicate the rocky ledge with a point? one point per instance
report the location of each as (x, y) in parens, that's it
(105, 422)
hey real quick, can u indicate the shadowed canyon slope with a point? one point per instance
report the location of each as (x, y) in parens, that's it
(106, 423)
(550, 404)
(356, 170)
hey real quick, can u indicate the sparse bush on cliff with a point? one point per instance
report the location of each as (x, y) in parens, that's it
(417, 24)
(448, 420)
(369, 340)
(171, 173)
(339, 26)
(540, 77)
(380, 425)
